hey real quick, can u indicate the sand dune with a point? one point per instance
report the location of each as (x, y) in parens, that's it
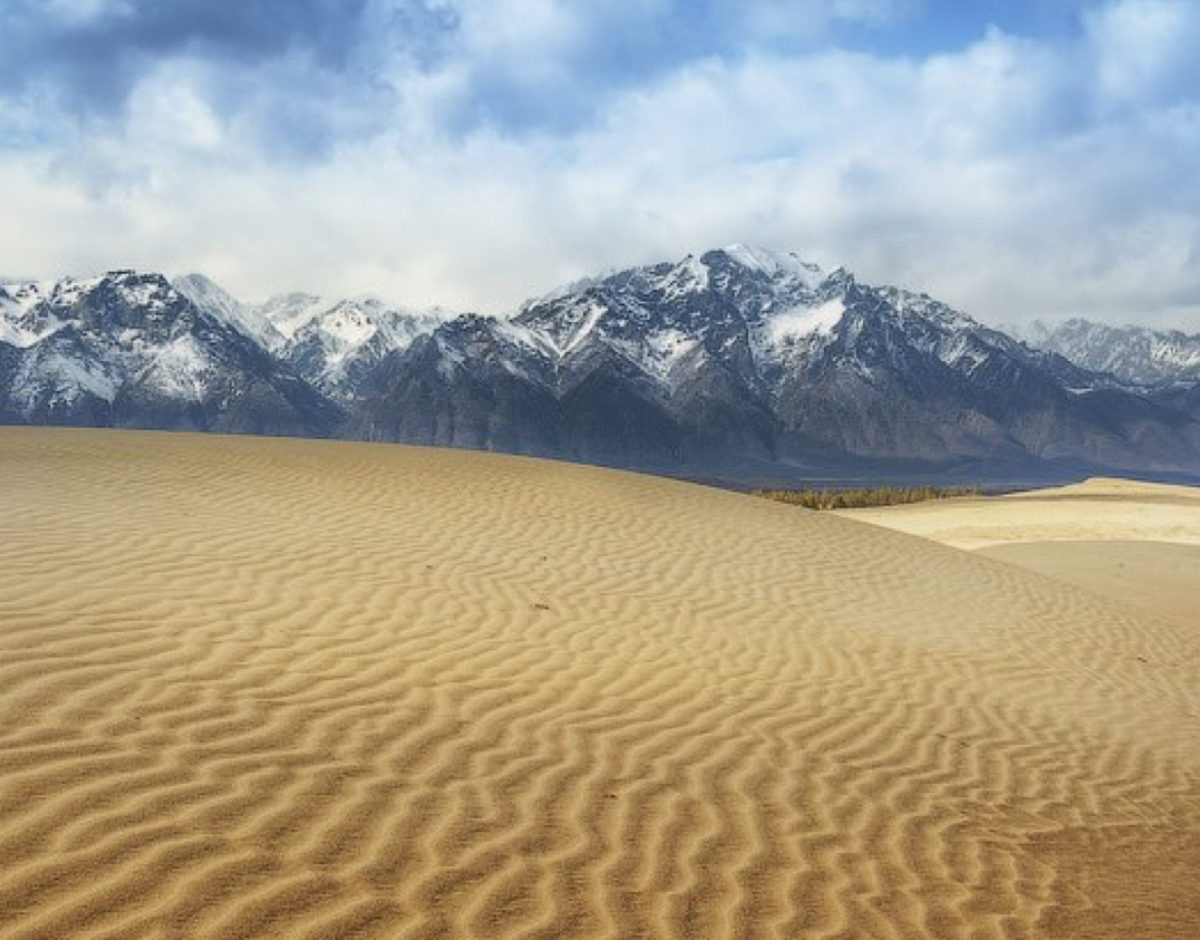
(1137, 544)
(256, 688)
(1098, 509)
(1162, 578)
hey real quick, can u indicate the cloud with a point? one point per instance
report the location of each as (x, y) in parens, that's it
(531, 65)
(1145, 51)
(521, 65)
(297, 75)
(1015, 176)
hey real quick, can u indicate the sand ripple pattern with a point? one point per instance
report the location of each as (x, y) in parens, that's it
(257, 688)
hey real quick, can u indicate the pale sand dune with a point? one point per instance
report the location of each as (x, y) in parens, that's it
(256, 688)
(1135, 543)
(1098, 509)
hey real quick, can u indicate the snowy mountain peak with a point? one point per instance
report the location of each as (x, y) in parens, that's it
(216, 301)
(289, 312)
(740, 305)
(577, 286)
(689, 275)
(115, 303)
(133, 287)
(121, 286)
(774, 264)
(331, 343)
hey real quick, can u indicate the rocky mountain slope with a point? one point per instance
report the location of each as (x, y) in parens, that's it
(758, 358)
(331, 343)
(129, 350)
(740, 362)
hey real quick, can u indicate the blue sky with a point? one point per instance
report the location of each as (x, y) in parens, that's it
(1018, 158)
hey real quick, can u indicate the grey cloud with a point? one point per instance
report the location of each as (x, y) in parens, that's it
(549, 67)
(300, 56)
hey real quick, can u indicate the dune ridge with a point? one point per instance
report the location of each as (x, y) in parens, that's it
(260, 688)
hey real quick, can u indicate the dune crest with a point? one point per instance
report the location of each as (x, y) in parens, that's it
(263, 688)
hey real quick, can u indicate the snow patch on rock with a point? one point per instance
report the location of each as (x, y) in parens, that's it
(802, 322)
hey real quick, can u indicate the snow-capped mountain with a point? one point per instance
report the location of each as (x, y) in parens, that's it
(752, 357)
(334, 343)
(128, 349)
(738, 363)
(219, 303)
(331, 343)
(1133, 354)
(25, 318)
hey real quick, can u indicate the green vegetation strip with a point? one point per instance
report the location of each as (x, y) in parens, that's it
(865, 498)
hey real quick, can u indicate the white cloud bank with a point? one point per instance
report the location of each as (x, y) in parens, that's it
(1014, 178)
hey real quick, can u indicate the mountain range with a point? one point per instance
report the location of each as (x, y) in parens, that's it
(1135, 355)
(738, 364)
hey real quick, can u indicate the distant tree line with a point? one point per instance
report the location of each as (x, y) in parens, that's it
(865, 497)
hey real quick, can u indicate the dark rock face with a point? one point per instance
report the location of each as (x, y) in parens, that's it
(425, 395)
(742, 360)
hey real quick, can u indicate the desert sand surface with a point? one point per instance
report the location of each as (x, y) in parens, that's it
(1097, 509)
(1134, 543)
(273, 688)
(1160, 577)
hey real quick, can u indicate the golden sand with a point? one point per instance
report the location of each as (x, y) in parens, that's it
(1162, 578)
(269, 688)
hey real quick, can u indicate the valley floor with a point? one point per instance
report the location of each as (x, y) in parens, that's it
(275, 688)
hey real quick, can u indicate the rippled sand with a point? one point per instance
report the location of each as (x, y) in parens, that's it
(269, 688)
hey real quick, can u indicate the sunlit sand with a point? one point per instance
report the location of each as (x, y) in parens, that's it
(273, 688)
